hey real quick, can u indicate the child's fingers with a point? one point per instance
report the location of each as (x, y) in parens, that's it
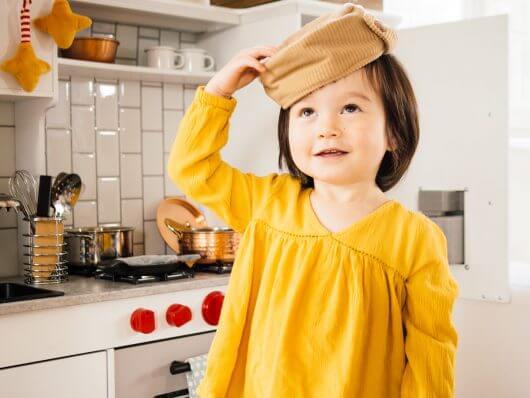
(261, 52)
(254, 63)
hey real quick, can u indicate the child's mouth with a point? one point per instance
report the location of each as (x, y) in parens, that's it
(332, 155)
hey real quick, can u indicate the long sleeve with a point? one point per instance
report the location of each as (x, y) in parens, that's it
(196, 167)
(431, 338)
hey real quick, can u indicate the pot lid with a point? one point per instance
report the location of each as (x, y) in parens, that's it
(182, 211)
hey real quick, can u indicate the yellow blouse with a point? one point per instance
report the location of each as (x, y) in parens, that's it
(362, 312)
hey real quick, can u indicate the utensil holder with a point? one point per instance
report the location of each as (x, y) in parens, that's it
(45, 251)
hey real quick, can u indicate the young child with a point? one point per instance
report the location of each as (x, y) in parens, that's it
(336, 291)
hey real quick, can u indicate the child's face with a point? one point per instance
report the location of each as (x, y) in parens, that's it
(334, 117)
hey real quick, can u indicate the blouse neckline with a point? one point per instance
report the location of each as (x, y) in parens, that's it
(317, 224)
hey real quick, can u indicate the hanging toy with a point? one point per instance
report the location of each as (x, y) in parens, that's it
(25, 66)
(62, 24)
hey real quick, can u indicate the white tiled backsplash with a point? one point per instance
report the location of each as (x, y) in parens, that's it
(117, 136)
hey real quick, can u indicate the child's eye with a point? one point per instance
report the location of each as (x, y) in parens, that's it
(303, 110)
(349, 106)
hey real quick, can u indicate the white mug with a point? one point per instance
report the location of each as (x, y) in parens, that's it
(164, 57)
(194, 59)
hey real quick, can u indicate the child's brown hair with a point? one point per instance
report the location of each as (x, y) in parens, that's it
(390, 81)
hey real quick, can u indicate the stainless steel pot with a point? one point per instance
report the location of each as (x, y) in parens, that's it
(91, 245)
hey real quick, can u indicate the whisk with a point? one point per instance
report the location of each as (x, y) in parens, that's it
(23, 187)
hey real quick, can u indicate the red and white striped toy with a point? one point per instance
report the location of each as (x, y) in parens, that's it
(25, 66)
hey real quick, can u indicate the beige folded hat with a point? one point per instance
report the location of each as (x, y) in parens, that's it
(326, 49)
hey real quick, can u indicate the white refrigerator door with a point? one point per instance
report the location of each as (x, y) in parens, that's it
(459, 71)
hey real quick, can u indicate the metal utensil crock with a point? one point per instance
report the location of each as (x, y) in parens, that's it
(91, 245)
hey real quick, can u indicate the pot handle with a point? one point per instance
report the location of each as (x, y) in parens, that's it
(67, 234)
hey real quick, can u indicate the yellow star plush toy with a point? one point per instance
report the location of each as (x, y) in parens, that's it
(62, 24)
(26, 67)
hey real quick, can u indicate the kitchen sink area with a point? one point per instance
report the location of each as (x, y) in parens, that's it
(10, 292)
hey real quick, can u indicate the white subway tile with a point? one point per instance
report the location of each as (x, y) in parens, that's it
(82, 90)
(138, 250)
(144, 44)
(154, 244)
(103, 27)
(153, 194)
(169, 250)
(149, 32)
(108, 200)
(131, 175)
(151, 108)
(170, 38)
(189, 95)
(83, 132)
(85, 214)
(127, 35)
(172, 120)
(130, 94)
(130, 131)
(152, 153)
(171, 188)
(173, 96)
(188, 39)
(7, 114)
(9, 250)
(58, 151)
(7, 151)
(108, 152)
(132, 216)
(59, 115)
(84, 164)
(106, 106)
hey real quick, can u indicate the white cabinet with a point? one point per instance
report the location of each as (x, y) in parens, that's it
(81, 376)
(43, 44)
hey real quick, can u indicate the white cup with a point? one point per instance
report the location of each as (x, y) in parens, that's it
(196, 60)
(164, 57)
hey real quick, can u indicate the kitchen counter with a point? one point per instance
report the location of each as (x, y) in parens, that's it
(83, 290)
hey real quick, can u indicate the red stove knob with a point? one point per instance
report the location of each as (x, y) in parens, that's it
(178, 314)
(211, 307)
(143, 320)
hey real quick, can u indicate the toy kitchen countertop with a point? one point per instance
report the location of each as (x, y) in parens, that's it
(82, 290)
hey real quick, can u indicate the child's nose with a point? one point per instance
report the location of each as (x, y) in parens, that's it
(326, 132)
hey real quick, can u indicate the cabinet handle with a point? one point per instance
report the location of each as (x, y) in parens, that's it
(177, 367)
(179, 393)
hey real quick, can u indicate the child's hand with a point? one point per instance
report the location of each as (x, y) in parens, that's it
(244, 67)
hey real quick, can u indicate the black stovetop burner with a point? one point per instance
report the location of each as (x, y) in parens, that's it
(219, 267)
(136, 279)
(108, 270)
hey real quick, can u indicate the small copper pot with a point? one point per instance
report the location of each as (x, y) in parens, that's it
(212, 243)
(98, 49)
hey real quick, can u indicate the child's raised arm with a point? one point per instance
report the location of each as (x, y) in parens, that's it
(195, 163)
(431, 338)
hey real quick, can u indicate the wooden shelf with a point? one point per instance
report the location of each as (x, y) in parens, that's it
(200, 18)
(101, 70)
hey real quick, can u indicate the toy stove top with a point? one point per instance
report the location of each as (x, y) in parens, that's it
(108, 270)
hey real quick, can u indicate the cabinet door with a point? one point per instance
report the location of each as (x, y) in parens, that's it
(43, 44)
(81, 376)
